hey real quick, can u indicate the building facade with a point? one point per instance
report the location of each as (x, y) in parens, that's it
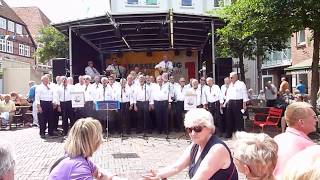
(184, 6)
(16, 49)
(302, 51)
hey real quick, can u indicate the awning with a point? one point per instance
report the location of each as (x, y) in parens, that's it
(143, 32)
(303, 65)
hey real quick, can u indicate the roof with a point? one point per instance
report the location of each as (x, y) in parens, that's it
(143, 31)
(8, 13)
(34, 18)
(306, 64)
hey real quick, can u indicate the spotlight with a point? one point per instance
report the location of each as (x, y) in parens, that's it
(138, 28)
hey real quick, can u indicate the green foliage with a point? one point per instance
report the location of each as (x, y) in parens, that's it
(53, 44)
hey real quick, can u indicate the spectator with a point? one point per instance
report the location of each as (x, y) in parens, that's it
(301, 120)
(7, 161)
(7, 111)
(255, 155)
(283, 86)
(304, 165)
(31, 99)
(301, 87)
(270, 94)
(83, 140)
(205, 149)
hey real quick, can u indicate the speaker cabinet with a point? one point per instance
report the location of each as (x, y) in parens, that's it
(223, 69)
(60, 67)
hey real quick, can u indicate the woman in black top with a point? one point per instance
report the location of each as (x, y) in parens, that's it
(207, 157)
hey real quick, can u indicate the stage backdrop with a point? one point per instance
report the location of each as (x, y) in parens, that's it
(184, 66)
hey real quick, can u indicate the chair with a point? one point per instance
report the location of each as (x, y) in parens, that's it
(17, 117)
(271, 119)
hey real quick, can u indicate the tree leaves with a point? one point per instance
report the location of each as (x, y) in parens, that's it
(53, 44)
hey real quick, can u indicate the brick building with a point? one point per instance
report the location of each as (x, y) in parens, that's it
(301, 50)
(16, 51)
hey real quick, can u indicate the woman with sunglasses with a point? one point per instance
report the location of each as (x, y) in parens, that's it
(207, 157)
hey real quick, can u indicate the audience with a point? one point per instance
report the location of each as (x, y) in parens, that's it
(7, 109)
(305, 165)
(83, 140)
(255, 155)
(205, 149)
(7, 161)
(301, 120)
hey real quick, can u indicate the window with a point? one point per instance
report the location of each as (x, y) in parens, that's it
(3, 23)
(186, 3)
(21, 49)
(10, 26)
(19, 29)
(301, 37)
(3, 46)
(216, 3)
(9, 46)
(27, 50)
(151, 2)
(132, 2)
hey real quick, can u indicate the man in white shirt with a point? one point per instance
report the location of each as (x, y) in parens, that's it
(196, 90)
(172, 110)
(203, 87)
(224, 88)
(142, 99)
(91, 71)
(89, 92)
(215, 102)
(161, 98)
(65, 105)
(236, 98)
(44, 99)
(80, 83)
(165, 65)
(7, 109)
(116, 69)
(126, 98)
(271, 94)
(179, 93)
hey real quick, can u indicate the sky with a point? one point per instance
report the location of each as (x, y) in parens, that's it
(65, 10)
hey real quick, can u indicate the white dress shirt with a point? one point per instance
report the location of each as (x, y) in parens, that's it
(224, 90)
(91, 71)
(180, 92)
(168, 66)
(109, 93)
(160, 93)
(200, 100)
(142, 93)
(213, 93)
(43, 93)
(89, 91)
(126, 94)
(64, 93)
(237, 91)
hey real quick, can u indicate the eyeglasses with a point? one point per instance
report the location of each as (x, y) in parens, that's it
(196, 129)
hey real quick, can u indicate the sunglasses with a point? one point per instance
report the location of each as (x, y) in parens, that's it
(196, 129)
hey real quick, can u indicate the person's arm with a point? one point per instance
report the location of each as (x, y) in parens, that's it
(221, 158)
(173, 169)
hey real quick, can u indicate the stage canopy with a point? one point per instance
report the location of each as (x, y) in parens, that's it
(143, 32)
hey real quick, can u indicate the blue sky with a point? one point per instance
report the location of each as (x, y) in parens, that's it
(65, 10)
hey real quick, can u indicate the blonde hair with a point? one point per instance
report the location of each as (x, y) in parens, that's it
(199, 117)
(304, 166)
(84, 138)
(296, 111)
(258, 152)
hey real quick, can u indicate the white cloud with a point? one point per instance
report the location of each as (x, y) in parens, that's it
(65, 10)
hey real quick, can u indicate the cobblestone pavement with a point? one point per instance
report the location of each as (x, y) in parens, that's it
(35, 155)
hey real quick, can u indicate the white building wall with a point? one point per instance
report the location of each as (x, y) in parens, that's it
(198, 6)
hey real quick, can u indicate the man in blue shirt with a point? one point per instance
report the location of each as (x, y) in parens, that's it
(301, 87)
(31, 99)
